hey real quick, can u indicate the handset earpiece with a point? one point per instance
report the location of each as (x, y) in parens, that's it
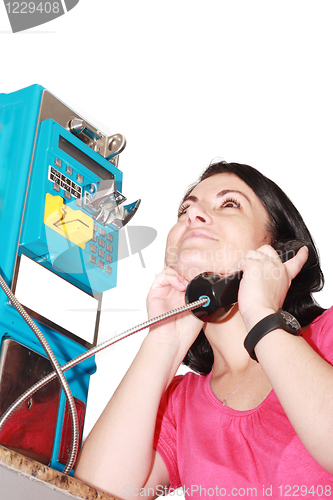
(222, 291)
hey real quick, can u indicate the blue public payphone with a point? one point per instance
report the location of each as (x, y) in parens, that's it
(61, 207)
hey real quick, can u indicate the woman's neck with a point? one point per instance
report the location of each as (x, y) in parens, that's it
(237, 380)
(227, 340)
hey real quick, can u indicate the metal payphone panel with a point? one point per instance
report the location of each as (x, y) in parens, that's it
(57, 230)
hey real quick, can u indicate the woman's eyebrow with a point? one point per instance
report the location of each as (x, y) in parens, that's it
(227, 191)
(191, 198)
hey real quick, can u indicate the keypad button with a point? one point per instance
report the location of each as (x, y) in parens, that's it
(102, 231)
(92, 259)
(69, 170)
(101, 242)
(75, 193)
(100, 264)
(108, 257)
(67, 195)
(56, 187)
(95, 227)
(94, 238)
(109, 248)
(101, 253)
(109, 237)
(79, 178)
(92, 248)
(58, 162)
(108, 269)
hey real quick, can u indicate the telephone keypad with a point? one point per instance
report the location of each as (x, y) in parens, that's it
(100, 247)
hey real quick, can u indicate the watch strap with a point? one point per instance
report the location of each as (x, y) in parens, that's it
(268, 324)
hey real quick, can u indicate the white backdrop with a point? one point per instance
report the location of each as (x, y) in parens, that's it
(185, 82)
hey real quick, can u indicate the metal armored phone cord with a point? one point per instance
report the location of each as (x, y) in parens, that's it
(57, 371)
(94, 350)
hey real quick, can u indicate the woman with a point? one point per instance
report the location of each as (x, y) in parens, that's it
(242, 427)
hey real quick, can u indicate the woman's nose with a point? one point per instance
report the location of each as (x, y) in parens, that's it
(196, 212)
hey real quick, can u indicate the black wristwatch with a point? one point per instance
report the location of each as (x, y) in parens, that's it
(280, 319)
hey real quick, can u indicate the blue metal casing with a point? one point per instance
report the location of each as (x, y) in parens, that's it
(35, 168)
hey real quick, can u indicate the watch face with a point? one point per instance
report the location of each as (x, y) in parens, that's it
(290, 320)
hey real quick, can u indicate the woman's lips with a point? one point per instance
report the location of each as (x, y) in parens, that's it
(198, 233)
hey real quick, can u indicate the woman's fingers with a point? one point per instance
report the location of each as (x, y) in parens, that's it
(266, 280)
(169, 277)
(267, 254)
(295, 264)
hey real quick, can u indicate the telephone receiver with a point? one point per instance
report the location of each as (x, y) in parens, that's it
(222, 291)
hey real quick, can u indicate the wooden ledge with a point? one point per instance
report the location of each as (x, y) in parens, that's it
(66, 486)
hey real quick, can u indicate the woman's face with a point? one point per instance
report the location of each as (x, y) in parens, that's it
(220, 220)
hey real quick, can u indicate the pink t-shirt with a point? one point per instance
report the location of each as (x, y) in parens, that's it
(214, 451)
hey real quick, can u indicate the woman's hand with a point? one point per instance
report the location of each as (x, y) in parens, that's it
(167, 293)
(265, 282)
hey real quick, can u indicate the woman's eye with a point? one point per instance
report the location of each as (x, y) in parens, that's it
(182, 210)
(230, 203)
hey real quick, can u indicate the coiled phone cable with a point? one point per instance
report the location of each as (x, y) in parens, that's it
(58, 371)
